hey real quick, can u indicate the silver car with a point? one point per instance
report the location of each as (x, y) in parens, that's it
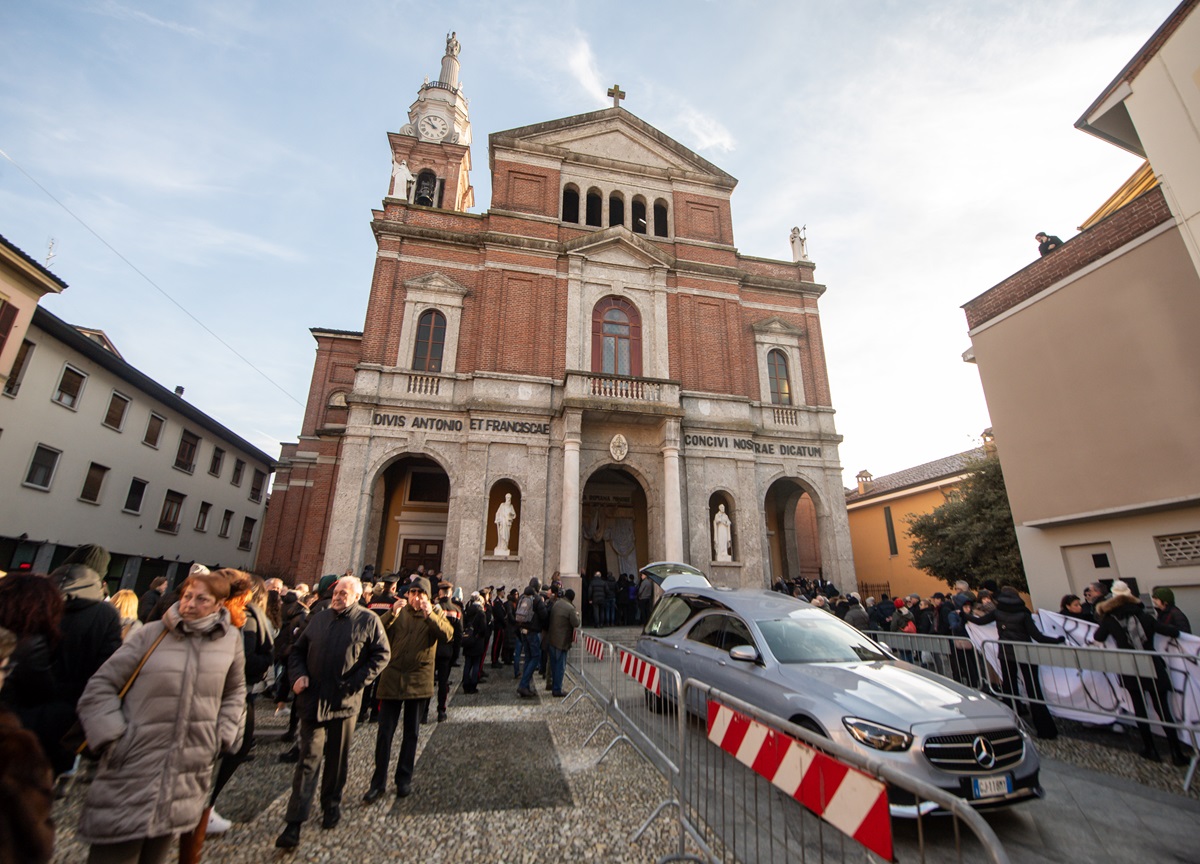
(807, 666)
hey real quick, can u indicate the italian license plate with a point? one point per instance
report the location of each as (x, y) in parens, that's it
(989, 787)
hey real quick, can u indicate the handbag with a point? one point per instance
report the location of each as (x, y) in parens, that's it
(74, 740)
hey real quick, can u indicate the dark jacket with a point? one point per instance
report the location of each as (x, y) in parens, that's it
(295, 614)
(413, 640)
(564, 618)
(540, 613)
(1171, 622)
(340, 653)
(1014, 621)
(147, 602)
(1114, 613)
(258, 643)
(91, 631)
(856, 615)
(474, 628)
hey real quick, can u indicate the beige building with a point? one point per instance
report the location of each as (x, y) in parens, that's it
(1089, 357)
(23, 282)
(879, 510)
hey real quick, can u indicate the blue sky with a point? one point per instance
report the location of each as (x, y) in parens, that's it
(232, 151)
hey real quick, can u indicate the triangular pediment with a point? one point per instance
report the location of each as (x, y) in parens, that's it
(777, 325)
(620, 247)
(614, 136)
(436, 283)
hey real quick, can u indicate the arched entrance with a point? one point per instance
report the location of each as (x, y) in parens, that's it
(793, 538)
(412, 497)
(614, 537)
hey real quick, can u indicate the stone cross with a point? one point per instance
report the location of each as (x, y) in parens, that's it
(617, 95)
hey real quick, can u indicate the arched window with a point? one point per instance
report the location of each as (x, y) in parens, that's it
(637, 212)
(616, 209)
(594, 206)
(570, 204)
(427, 191)
(616, 338)
(660, 218)
(777, 374)
(431, 336)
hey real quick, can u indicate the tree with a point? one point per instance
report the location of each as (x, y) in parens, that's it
(971, 536)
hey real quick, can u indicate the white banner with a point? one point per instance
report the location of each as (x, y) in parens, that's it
(1084, 695)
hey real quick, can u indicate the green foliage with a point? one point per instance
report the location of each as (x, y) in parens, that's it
(971, 536)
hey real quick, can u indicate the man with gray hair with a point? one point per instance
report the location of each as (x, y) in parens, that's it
(343, 648)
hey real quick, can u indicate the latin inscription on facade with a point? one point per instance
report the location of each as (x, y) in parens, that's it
(749, 445)
(443, 424)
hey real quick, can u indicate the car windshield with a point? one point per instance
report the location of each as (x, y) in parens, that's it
(812, 636)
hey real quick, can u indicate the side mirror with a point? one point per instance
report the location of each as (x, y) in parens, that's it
(744, 653)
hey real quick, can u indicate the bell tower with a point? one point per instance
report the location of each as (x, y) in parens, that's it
(431, 154)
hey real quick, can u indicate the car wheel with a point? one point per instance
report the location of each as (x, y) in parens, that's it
(809, 725)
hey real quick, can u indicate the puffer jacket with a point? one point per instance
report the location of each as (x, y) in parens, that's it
(414, 641)
(340, 653)
(186, 707)
(1113, 614)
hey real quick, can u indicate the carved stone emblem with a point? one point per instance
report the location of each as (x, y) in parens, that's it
(618, 447)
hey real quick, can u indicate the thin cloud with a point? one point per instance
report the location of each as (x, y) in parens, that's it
(112, 9)
(581, 63)
(705, 131)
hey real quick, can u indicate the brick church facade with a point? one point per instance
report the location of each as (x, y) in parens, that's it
(593, 350)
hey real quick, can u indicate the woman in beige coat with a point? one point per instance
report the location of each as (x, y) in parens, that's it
(185, 708)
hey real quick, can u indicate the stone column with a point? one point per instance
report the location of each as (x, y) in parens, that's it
(672, 502)
(568, 549)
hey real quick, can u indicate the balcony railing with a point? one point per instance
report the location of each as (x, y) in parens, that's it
(424, 385)
(785, 416)
(598, 387)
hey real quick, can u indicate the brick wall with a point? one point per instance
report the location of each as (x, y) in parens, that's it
(1134, 219)
(525, 188)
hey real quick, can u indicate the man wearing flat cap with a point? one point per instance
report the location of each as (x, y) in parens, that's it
(415, 626)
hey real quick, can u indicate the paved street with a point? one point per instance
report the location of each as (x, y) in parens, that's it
(506, 779)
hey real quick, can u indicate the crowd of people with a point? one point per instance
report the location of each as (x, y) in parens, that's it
(1118, 613)
(161, 690)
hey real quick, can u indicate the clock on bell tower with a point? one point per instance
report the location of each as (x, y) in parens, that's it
(431, 154)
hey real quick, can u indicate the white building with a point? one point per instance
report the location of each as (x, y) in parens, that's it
(93, 451)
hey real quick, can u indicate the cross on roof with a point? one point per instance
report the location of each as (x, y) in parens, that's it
(617, 95)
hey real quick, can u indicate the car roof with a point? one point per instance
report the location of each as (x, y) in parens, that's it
(753, 603)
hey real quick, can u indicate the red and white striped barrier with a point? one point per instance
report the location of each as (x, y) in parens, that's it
(593, 646)
(644, 673)
(852, 802)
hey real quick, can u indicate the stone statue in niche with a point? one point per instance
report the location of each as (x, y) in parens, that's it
(401, 179)
(722, 535)
(506, 514)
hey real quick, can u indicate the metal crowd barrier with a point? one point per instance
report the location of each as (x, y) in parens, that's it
(950, 656)
(751, 787)
(638, 700)
(1092, 681)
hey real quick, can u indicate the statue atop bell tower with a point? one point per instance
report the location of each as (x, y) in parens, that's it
(449, 75)
(431, 156)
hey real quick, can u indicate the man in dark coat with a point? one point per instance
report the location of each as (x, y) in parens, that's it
(1014, 623)
(531, 638)
(342, 649)
(406, 684)
(560, 633)
(91, 633)
(1171, 620)
(1047, 243)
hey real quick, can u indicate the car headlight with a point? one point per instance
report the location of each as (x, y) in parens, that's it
(876, 736)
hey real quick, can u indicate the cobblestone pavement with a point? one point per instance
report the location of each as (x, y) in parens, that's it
(497, 754)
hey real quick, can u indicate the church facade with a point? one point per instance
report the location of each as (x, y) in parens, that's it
(588, 376)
